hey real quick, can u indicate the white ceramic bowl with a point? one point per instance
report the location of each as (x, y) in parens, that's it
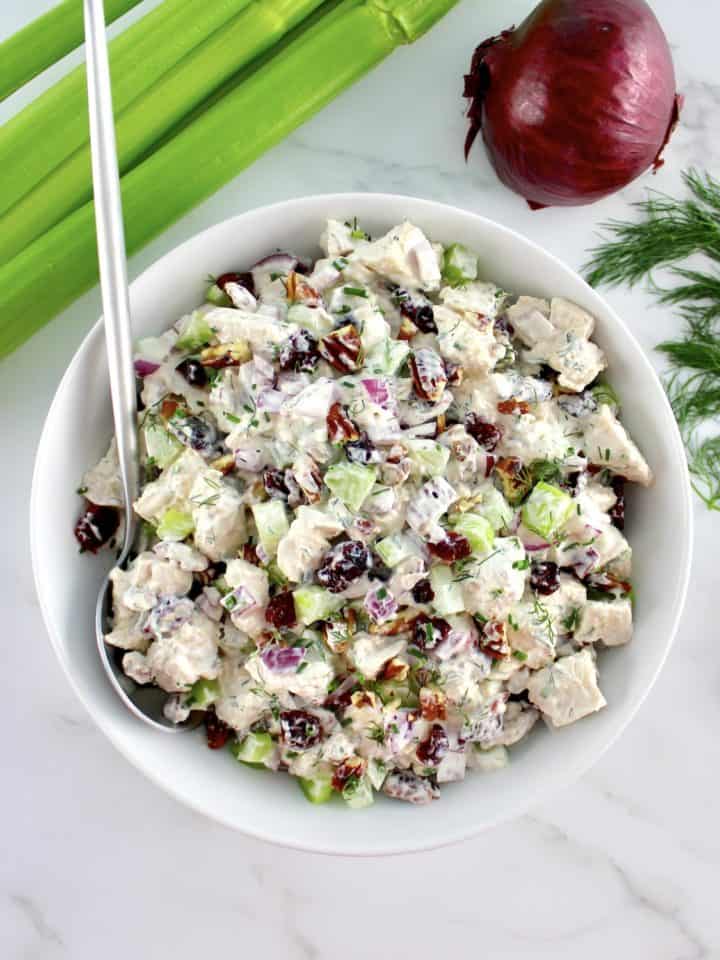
(76, 434)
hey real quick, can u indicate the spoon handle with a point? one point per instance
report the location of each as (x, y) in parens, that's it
(111, 258)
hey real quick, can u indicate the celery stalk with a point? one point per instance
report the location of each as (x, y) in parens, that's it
(50, 128)
(153, 114)
(46, 40)
(262, 109)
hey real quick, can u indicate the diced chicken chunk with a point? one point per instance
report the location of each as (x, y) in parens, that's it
(172, 488)
(370, 652)
(102, 483)
(474, 297)
(219, 516)
(608, 622)
(570, 318)
(240, 573)
(495, 582)
(518, 721)
(567, 690)
(471, 346)
(405, 256)
(608, 444)
(302, 548)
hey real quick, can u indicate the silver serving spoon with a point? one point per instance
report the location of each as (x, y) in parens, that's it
(144, 702)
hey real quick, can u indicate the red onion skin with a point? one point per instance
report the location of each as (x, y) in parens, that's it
(575, 103)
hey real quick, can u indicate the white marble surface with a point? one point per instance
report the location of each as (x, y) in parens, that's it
(97, 862)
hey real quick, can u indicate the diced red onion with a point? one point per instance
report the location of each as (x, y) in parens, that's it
(379, 392)
(240, 601)
(270, 400)
(143, 368)
(283, 659)
(380, 604)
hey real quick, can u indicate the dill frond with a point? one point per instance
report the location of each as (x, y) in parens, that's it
(671, 231)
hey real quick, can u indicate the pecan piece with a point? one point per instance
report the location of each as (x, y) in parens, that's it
(433, 704)
(493, 641)
(340, 427)
(513, 406)
(342, 349)
(226, 354)
(428, 374)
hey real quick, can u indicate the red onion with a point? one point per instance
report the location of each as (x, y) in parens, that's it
(283, 659)
(575, 103)
(143, 368)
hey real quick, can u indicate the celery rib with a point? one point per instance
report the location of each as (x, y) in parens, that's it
(265, 107)
(140, 126)
(46, 40)
(49, 129)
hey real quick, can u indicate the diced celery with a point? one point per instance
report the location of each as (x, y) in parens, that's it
(603, 392)
(351, 482)
(202, 693)
(376, 772)
(314, 603)
(255, 748)
(358, 793)
(495, 758)
(217, 296)
(478, 530)
(495, 508)
(316, 321)
(459, 265)
(397, 547)
(196, 334)
(160, 444)
(428, 456)
(547, 509)
(448, 597)
(317, 789)
(272, 524)
(175, 525)
(387, 357)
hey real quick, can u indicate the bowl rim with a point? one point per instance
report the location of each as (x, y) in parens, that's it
(535, 793)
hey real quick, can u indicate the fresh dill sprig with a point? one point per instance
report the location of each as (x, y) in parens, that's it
(670, 232)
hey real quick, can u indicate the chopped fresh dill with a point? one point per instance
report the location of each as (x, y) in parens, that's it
(670, 231)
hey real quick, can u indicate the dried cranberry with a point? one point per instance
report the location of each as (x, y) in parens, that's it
(617, 510)
(193, 371)
(299, 353)
(193, 432)
(431, 751)
(378, 569)
(417, 309)
(274, 483)
(429, 632)
(343, 564)
(299, 729)
(486, 434)
(216, 730)
(340, 428)
(452, 547)
(244, 279)
(544, 577)
(96, 526)
(422, 592)
(503, 325)
(250, 554)
(361, 451)
(280, 611)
